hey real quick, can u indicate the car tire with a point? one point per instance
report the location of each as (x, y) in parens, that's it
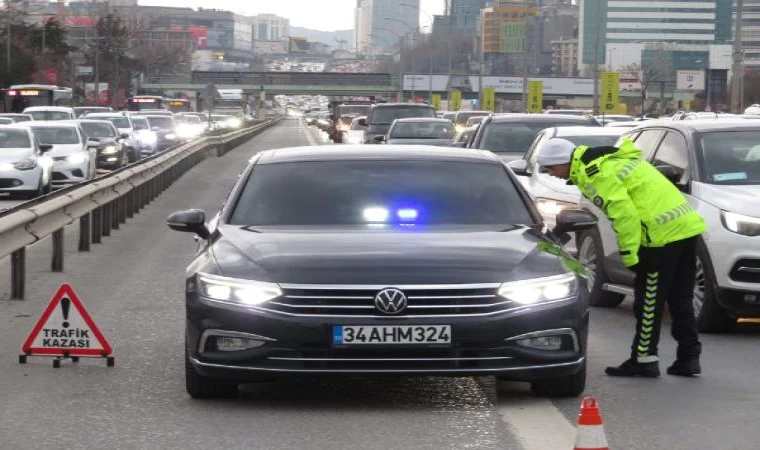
(199, 386)
(711, 317)
(569, 386)
(590, 253)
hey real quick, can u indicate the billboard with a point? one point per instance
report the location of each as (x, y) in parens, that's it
(502, 85)
(489, 99)
(512, 36)
(455, 101)
(535, 96)
(610, 93)
(690, 80)
(297, 45)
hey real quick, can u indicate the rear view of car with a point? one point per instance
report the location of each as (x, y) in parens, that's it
(420, 132)
(382, 116)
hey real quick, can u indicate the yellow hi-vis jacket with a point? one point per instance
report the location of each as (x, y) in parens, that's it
(645, 208)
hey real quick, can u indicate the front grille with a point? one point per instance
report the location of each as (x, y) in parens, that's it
(60, 158)
(359, 301)
(746, 270)
(59, 176)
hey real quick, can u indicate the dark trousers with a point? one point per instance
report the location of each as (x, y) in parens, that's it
(666, 274)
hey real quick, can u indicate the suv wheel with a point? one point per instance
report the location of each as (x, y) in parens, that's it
(570, 386)
(199, 386)
(711, 317)
(590, 254)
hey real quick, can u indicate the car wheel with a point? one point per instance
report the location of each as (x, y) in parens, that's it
(711, 317)
(570, 386)
(590, 255)
(199, 386)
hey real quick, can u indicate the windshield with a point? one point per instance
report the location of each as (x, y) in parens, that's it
(98, 130)
(731, 157)
(386, 116)
(163, 123)
(515, 137)
(19, 118)
(80, 111)
(355, 110)
(49, 115)
(57, 135)
(360, 192)
(14, 139)
(140, 124)
(6, 121)
(422, 130)
(119, 122)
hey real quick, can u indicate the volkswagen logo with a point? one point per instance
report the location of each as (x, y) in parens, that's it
(390, 301)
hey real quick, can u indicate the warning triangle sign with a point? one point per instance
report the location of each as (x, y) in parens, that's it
(66, 328)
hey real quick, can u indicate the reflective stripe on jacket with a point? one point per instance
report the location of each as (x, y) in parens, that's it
(645, 208)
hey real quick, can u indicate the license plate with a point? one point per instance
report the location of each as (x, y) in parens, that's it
(391, 334)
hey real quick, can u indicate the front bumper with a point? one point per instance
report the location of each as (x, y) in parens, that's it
(304, 345)
(20, 180)
(66, 173)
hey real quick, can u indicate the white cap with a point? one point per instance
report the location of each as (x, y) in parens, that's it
(555, 151)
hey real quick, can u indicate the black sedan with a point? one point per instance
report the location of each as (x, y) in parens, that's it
(383, 267)
(105, 137)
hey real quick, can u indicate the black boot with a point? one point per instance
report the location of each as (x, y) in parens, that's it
(631, 368)
(685, 368)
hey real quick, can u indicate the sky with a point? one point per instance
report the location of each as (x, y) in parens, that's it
(327, 15)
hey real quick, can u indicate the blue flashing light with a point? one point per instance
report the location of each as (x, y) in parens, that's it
(407, 214)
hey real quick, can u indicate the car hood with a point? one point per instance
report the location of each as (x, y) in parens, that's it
(12, 155)
(741, 199)
(559, 186)
(384, 257)
(64, 149)
(510, 156)
(420, 141)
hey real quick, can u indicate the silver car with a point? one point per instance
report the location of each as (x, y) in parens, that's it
(73, 160)
(420, 131)
(25, 168)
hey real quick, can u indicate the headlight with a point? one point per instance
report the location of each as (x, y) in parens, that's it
(7, 167)
(109, 150)
(170, 136)
(26, 164)
(550, 208)
(539, 290)
(234, 123)
(741, 224)
(232, 290)
(77, 158)
(147, 137)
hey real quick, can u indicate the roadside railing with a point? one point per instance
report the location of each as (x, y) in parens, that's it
(104, 203)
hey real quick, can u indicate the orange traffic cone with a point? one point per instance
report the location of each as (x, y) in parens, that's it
(590, 434)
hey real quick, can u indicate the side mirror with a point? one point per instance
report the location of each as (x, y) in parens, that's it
(379, 138)
(190, 221)
(571, 220)
(124, 135)
(93, 142)
(363, 122)
(44, 148)
(519, 167)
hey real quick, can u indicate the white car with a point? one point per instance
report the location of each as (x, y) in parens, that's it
(74, 159)
(24, 167)
(551, 194)
(716, 163)
(126, 130)
(50, 113)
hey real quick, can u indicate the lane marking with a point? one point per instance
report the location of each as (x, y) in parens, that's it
(306, 130)
(535, 422)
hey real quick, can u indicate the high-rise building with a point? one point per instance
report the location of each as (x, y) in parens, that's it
(751, 33)
(505, 31)
(464, 14)
(269, 27)
(381, 23)
(565, 57)
(628, 26)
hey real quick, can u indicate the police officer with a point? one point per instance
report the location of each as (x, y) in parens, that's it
(657, 232)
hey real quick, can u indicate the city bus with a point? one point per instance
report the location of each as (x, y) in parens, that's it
(180, 105)
(147, 102)
(17, 98)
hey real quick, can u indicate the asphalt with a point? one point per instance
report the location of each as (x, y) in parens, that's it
(133, 284)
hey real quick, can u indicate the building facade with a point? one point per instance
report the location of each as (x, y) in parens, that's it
(565, 57)
(269, 27)
(506, 41)
(382, 23)
(751, 33)
(464, 15)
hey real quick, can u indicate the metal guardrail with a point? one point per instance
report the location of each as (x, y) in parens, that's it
(102, 204)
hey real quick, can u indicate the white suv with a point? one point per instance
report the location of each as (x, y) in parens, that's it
(716, 164)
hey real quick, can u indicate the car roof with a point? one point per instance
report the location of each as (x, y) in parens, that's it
(425, 119)
(53, 124)
(705, 125)
(482, 113)
(49, 108)
(19, 127)
(539, 117)
(94, 121)
(106, 114)
(587, 131)
(341, 152)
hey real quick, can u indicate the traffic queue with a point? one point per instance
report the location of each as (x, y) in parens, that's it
(712, 158)
(50, 147)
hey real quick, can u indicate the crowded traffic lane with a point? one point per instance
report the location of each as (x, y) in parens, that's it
(133, 286)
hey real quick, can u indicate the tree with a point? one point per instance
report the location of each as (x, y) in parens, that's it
(655, 72)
